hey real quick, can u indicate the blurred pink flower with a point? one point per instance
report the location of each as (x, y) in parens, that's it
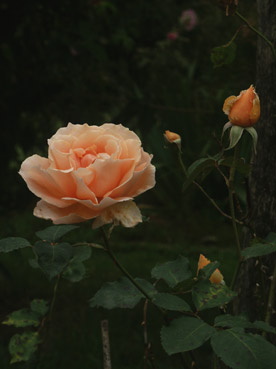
(172, 36)
(189, 19)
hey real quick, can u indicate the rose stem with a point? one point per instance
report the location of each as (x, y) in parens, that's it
(203, 191)
(132, 280)
(54, 297)
(125, 272)
(232, 210)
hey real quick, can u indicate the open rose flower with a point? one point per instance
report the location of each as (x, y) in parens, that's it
(216, 277)
(90, 171)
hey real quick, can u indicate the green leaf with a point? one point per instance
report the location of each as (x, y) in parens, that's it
(13, 243)
(261, 248)
(54, 233)
(170, 302)
(241, 321)
(271, 238)
(227, 320)
(75, 271)
(223, 55)
(22, 346)
(208, 270)
(185, 334)
(173, 272)
(34, 264)
(263, 326)
(52, 259)
(240, 165)
(121, 294)
(241, 350)
(207, 295)
(39, 306)
(22, 318)
(197, 168)
(258, 249)
(235, 135)
(81, 253)
(253, 133)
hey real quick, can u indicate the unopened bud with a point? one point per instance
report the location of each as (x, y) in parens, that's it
(172, 137)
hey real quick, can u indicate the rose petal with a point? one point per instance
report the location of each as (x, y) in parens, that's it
(108, 175)
(126, 213)
(45, 182)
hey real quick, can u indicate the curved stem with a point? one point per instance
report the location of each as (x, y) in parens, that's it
(215, 204)
(204, 192)
(260, 34)
(126, 273)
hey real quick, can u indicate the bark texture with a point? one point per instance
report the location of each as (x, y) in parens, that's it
(253, 278)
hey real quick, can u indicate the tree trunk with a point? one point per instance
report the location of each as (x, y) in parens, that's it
(254, 279)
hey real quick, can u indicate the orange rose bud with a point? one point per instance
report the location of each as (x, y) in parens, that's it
(243, 110)
(216, 277)
(172, 137)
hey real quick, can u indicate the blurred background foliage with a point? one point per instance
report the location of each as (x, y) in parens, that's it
(129, 62)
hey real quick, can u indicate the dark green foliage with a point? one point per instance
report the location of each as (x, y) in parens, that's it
(22, 346)
(75, 271)
(185, 334)
(240, 321)
(13, 243)
(170, 302)
(52, 258)
(241, 350)
(54, 233)
(122, 294)
(208, 270)
(173, 272)
(241, 166)
(260, 249)
(197, 169)
(207, 295)
(39, 306)
(232, 321)
(22, 318)
(223, 55)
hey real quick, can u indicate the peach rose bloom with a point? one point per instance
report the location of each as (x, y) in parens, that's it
(216, 277)
(89, 169)
(243, 110)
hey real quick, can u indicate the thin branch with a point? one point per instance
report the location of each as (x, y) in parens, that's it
(260, 34)
(106, 346)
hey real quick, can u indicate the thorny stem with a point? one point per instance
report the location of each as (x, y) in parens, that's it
(260, 34)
